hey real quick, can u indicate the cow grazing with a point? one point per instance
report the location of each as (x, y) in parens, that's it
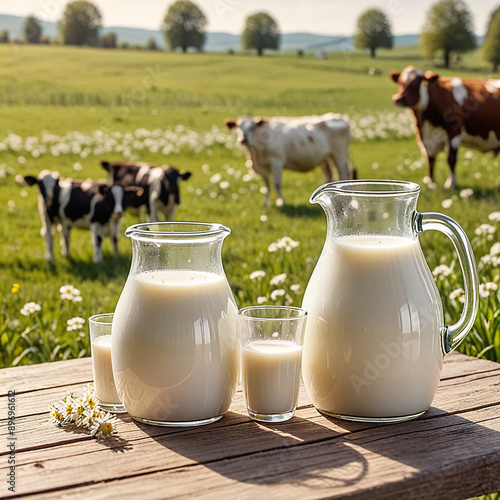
(299, 144)
(160, 187)
(64, 203)
(450, 112)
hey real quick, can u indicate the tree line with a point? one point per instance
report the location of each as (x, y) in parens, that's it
(447, 31)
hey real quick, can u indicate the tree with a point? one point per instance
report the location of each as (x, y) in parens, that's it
(32, 30)
(151, 44)
(261, 32)
(491, 46)
(373, 31)
(184, 26)
(80, 23)
(4, 36)
(448, 28)
(108, 41)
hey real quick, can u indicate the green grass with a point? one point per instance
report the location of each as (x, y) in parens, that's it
(60, 89)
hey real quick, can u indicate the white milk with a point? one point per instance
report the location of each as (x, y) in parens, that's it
(176, 350)
(372, 342)
(271, 375)
(103, 373)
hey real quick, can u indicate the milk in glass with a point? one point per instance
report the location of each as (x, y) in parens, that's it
(176, 353)
(104, 383)
(271, 375)
(372, 342)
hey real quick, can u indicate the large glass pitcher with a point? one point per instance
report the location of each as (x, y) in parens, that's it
(376, 338)
(175, 349)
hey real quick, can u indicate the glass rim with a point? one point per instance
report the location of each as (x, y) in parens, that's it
(184, 229)
(95, 319)
(301, 313)
(368, 188)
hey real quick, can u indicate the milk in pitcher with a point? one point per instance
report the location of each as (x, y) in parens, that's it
(178, 354)
(372, 343)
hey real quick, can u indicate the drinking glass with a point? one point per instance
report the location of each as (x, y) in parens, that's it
(104, 384)
(271, 357)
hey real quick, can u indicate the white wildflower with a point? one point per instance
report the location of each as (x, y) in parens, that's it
(224, 184)
(277, 293)
(30, 308)
(466, 193)
(263, 218)
(442, 271)
(495, 248)
(278, 279)
(295, 288)
(273, 247)
(261, 300)
(69, 292)
(104, 426)
(257, 274)
(216, 178)
(75, 323)
(458, 294)
(447, 203)
(494, 216)
(287, 243)
(483, 292)
(485, 229)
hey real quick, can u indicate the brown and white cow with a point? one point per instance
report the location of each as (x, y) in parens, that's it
(450, 112)
(64, 203)
(159, 187)
(299, 144)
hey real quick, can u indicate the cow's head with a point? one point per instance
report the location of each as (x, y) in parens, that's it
(116, 197)
(248, 129)
(47, 182)
(170, 181)
(413, 90)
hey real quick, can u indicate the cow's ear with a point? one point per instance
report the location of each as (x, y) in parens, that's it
(260, 121)
(103, 189)
(30, 180)
(430, 76)
(105, 165)
(185, 176)
(230, 124)
(394, 76)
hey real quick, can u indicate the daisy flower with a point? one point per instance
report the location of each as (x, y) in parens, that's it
(104, 426)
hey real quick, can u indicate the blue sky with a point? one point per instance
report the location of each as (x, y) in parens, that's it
(317, 16)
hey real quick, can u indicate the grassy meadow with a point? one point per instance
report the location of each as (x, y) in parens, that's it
(66, 109)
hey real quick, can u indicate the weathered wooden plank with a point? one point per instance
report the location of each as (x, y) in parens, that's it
(35, 377)
(447, 458)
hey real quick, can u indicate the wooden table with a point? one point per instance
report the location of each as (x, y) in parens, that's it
(453, 451)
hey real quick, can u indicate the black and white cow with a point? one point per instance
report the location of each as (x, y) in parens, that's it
(67, 203)
(160, 187)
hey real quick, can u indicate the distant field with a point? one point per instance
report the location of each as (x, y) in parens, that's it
(107, 97)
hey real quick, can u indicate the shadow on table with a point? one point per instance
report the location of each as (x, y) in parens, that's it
(330, 453)
(291, 452)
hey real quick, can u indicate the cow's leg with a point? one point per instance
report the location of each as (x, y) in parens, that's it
(46, 230)
(277, 170)
(428, 180)
(267, 199)
(96, 230)
(342, 166)
(65, 232)
(327, 170)
(113, 233)
(451, 182)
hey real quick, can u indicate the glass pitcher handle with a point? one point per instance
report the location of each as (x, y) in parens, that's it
(454, 334)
